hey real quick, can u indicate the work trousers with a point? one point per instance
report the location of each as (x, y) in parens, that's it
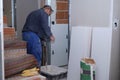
(34, 45)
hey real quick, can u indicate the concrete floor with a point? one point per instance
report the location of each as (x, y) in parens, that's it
(64, 79)
(18, 76)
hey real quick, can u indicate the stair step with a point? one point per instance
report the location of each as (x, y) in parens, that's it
(15, 63)
(14, 44)
(9, 33)
(14, 53)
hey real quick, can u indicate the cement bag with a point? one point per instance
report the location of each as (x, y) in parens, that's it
(87, 67)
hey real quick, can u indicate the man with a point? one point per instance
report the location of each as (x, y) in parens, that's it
(36, 29)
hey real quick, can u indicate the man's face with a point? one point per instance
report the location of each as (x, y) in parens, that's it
(48, 11)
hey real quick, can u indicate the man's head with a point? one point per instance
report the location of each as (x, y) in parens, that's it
(48, 9)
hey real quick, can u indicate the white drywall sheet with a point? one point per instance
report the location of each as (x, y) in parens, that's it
(79, 48)
(101, 51)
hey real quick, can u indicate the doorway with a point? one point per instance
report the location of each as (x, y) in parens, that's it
(58, 23)
(59, 26)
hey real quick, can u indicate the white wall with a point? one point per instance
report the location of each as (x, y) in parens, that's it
(100, 14)
(90, 13)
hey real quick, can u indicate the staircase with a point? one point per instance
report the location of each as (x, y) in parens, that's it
(16, 58)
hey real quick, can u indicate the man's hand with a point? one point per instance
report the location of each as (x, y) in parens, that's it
(52, 38)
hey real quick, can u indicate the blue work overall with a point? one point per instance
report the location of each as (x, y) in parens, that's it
(33, 45)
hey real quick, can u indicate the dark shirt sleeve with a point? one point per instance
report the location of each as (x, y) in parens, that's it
(45, 26)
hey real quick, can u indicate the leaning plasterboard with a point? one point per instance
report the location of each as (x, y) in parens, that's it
(80, 40)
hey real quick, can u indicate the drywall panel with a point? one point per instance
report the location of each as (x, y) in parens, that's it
(116, 9)
(90, 13)
(101, 52)
(79, 48)
(24, 7)
(115, 53)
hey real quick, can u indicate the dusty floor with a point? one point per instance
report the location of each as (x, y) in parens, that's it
(64, 79)
(14, 78)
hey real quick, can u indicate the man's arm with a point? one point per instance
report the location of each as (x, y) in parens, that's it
(46, 28)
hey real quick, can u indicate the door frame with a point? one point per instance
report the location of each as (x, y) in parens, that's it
(53, 19)
(1, 42)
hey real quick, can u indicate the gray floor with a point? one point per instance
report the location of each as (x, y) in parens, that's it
(18, 76)
(64, 79)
